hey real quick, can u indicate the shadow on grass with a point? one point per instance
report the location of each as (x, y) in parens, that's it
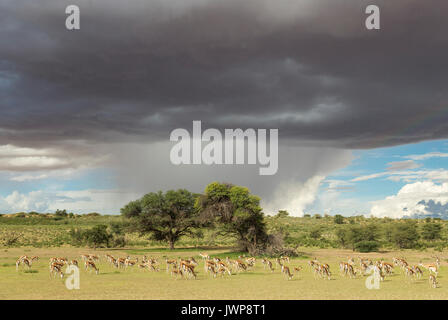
(8, 265)
(31, 271)
(169, 251)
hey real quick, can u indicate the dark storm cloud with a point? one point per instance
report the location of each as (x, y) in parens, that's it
(136, 71)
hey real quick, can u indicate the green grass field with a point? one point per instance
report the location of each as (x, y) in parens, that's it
(258, 283)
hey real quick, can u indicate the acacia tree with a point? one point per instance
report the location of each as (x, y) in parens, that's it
(165, 216)
(97, 236)
(236, 212)
(431, 231)
(405, 235)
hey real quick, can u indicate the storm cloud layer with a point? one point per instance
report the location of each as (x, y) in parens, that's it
(138, 69)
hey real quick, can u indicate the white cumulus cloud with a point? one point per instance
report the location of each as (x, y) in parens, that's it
(408, 200)
(79, 201)
(294, 197)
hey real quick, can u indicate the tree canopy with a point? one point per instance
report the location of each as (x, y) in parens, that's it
(432, 231)
(165, 216)
(235, 211)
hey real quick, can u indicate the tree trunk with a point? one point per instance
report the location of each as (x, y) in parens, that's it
(171, 244)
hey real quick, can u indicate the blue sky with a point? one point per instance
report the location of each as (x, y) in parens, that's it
(376, 174)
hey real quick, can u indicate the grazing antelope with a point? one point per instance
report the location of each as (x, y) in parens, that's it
(57, 264)
(347, 269)
(56, 268)
(432, 268)
(380, 272)
(120, 263)
(409, 271)
(207, 264)
(251, 262)
(150, 266)
(401, 263)
(297, 269)
(341, 267)
(85, 257)
(284, 258)
(323, 270)
(130, 263)
(110, 259)
(313, 263)
(169, 263)
(193, 261)
(264, 262)
(91, 265)
(204, 256)
(437, 262)
(223, 269)
(188, 269)
(58, 259)
(364, 267)
(278, 262)
(216, 260)
(212, 269)
(287, 272)
(51, 260)
(177, 272)
(24, 261)
(240, 265)
(94, 258)
(74, 262)
(271, 266)
(418, 273)
(388, 268)
(143, 266)
(432, 281)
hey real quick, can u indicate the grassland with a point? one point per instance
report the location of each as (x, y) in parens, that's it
(316, 231)
(49, 237)
(255, 284)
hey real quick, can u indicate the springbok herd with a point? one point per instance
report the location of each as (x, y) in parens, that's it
(186, 268)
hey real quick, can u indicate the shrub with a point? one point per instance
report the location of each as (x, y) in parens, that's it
(282, 214)
(10, 239)
(77, 237)
(119, 242)
(405, 235)
(431, 231)
(97, 236)
(338, 219)
(315, 233)
(367, 246)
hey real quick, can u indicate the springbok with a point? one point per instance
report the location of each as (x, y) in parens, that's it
(432, 268)
(432, 281)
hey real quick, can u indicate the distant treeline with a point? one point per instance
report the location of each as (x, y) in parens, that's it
(58, 215)
(358, 233)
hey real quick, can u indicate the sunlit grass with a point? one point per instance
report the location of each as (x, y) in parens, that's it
(258, 283)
